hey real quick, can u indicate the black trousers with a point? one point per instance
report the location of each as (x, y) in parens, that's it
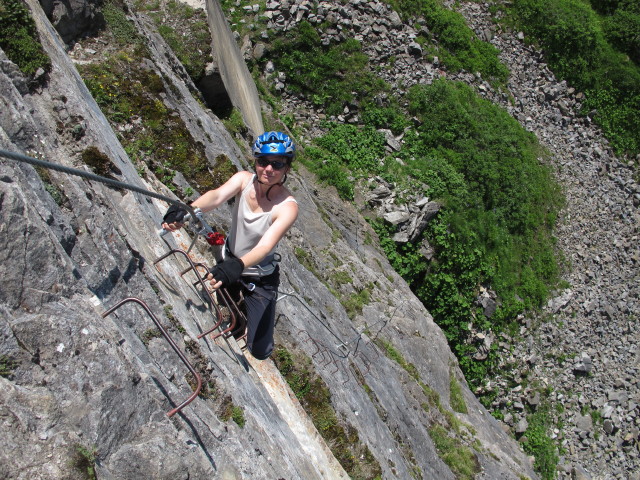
(260, 304)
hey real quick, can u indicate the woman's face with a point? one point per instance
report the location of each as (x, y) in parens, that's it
(272, 168)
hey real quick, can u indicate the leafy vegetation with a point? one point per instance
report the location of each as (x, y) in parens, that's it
(538, 443)
(19, 39)
(344, 153)
(499, 207)
(621, 25)
(331, 77)
(84, 460)
(597, 54)
(459, 48)
(499, 201)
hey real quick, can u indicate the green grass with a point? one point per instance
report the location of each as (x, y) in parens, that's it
(455, 395)
(84, 460)
(19, 39)
(458, 457)
(315, 398)
(538, 443)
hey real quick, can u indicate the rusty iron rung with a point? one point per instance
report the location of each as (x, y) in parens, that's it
(175, 348)
(200, 280)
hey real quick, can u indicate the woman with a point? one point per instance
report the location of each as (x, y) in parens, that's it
(263, 212)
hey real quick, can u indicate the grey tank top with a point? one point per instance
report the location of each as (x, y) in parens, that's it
(247, 228)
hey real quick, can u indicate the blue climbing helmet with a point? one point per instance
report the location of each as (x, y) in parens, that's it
(274, 143)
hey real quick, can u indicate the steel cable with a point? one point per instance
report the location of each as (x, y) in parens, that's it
(92, 176)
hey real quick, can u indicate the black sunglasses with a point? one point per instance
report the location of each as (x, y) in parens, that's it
(275, 164)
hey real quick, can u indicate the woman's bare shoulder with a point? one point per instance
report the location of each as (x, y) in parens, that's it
(243, 178)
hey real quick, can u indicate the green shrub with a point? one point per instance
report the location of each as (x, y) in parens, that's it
(575, 42)
(390, 116)
(235, 122)
(459, 47)
(328, 76)
(567, 30)
(230, 411)
(617, 113)
(329, 169)
(622, 28)
(499, 205)
(354, 303)
(344, 153)
(19, 38)
(361, 149)
(502, 201)
(540, 445)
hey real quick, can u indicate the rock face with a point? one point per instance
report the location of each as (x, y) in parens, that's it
(74, 18)
(79, 387)
(585, 351)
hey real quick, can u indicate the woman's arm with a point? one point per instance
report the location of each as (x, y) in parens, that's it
(214, 198)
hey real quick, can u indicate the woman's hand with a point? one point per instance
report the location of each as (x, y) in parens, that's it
(173, 218)
(226, 273)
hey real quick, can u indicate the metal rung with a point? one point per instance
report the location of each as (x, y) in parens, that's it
(173, 345)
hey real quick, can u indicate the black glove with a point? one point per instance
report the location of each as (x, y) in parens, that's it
(228, 272)
(174, 214)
